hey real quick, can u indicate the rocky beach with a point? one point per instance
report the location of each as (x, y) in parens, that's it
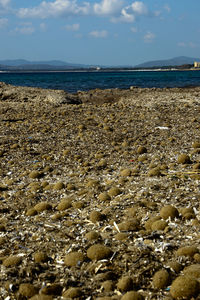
(99, 194)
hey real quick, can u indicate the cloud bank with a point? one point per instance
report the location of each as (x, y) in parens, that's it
(115, 10)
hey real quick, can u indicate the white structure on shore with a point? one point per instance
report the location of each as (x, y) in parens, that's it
(196, 64)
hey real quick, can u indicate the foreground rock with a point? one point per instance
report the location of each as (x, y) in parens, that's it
(94, 201)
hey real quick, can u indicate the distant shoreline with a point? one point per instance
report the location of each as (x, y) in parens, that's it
(98, 71)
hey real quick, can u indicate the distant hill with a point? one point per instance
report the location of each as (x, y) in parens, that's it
(22, 64)
(176, 61)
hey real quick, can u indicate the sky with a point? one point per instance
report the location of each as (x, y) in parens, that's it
(99, 32)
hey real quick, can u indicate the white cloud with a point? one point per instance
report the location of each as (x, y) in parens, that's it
(149, 37)
(139, 8)
(55, 9)
(134, 29)
(4, 3)
(167, 8)
(25, 28)
(108, 7)
(73, 27)
(3, 22)
(130, 12)
(43, 27)
(99, 34)
(188, 45)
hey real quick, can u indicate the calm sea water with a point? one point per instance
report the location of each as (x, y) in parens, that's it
(74, 81)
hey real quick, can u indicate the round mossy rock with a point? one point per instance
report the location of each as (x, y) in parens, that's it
(98, 252)
(35, 174)
(59, 186)
(72, 293)
(132, 295)
(114, 191)
(42, 206)
(74, 259)
(141, 150)
(41, 297)
(40, 257)
(154, 172)
(96, 216)
(184, 287)
(150, 221)
(183, 159)
(27, 290)
(161, 279)
(31, 212)
(125, 284)
(104, 197)
(192, 270)
(64, 204)
(159, 225)
(169, 211)
(187, 251)
(196, 144)
(12, 260)
(130, 225)
(175, 266)
(52, 289)
(125, 172)
(92, 235)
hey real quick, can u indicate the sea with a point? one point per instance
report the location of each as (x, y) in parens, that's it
(73, 81)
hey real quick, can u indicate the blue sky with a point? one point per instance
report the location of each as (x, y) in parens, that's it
(105, 32)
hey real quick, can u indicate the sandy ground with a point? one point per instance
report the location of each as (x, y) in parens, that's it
(99, 199)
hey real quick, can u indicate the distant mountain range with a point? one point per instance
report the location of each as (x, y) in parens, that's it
(176, 61)
(22, 64)
(25, 65)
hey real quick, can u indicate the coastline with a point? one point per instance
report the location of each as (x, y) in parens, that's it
(119, 169)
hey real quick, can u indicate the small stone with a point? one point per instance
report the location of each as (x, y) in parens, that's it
(28, 290)
(161, 279)
(183, 159)
(72, 293)
(74, 259)
(159, 225)
(169, 211)
(125, 284)
(132, 295)
(98, 252)
(187, 251)
(40, 257)
(184, 287)
(12, 260)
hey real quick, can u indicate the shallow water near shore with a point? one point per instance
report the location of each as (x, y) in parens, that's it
(84, 81)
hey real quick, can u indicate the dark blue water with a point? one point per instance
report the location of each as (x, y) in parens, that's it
(74, 81)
